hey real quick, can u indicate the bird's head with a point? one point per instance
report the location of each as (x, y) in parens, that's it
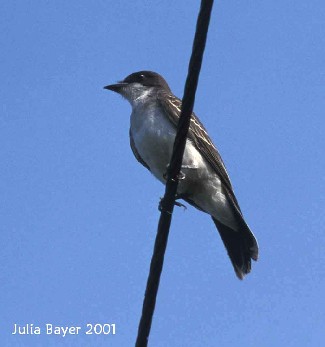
(139, 85)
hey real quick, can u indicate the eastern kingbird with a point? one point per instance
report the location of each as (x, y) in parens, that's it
(206, 186)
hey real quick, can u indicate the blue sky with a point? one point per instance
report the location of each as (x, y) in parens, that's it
(79, 214)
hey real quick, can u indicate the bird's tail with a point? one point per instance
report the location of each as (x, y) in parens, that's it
(241, 246)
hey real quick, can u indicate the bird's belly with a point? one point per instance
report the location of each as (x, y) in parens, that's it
(154, 145)
(154, 139)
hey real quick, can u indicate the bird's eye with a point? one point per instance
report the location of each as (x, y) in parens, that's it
(142, 77)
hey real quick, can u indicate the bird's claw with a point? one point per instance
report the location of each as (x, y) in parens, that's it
(178, 177)
(161, 203)
(179, 204)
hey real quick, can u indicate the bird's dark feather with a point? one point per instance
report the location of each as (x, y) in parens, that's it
(200, 138)
(241, 247)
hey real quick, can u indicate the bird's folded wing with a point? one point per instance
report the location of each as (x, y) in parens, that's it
(199, 136)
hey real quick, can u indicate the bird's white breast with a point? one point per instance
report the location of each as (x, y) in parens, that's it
(154, 136)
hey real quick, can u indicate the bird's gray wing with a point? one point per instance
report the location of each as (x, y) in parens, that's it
(199, 136)
(241, 246)
(136, 153)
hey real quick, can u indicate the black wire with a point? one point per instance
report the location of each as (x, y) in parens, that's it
(167, 204)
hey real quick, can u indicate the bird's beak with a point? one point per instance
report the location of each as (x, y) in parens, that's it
(116, 87)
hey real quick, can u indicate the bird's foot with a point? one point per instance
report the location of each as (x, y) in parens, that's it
(161, 204)
(179, 177)
(179, 204)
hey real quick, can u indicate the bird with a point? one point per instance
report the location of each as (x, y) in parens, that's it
(205, 183)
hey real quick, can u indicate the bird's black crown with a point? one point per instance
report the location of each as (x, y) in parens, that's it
(147, 78)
